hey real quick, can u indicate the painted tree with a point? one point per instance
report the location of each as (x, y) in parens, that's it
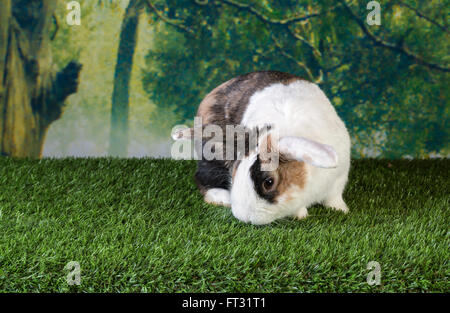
(118, 142)
(32, 94)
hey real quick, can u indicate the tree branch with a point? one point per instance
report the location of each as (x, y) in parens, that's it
(394, 47)
(173, 22)
(421, 15)
(55, 19)
(66, 82)
(264, 18)
(298, 63)
(297, 36)
(285, 23)
(50, 101)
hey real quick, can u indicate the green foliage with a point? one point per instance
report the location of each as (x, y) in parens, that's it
(132, 233)
(393, 104)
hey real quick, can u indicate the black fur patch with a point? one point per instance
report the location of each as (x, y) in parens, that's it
(258, 178)
(212, 174)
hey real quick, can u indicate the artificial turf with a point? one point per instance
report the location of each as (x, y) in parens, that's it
(140, 225)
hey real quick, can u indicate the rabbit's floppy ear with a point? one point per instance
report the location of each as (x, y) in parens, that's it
(309, 151)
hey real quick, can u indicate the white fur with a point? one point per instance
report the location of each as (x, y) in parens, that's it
(301, 213)
(218, 196)
(299, 109)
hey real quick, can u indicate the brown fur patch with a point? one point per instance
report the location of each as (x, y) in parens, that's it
(205, 110)
(291, 173)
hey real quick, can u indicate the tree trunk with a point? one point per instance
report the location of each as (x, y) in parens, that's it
(118, 142)
(31, 94)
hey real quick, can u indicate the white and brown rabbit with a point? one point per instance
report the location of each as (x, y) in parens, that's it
(312, 143)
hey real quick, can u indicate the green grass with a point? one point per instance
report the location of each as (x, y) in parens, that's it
(141, 225)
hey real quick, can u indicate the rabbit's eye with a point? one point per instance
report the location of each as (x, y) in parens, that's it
(268, 183)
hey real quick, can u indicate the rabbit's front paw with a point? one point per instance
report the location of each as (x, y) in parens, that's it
(301, 213)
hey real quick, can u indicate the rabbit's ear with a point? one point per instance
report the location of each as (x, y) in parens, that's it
(309, 151)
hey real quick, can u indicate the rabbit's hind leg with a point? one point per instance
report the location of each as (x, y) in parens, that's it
(334, 199)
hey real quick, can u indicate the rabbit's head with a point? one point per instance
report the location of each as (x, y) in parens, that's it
(262, 193)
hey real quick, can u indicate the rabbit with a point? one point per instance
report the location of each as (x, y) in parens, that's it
(312, 144)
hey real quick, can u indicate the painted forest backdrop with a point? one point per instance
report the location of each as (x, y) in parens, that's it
(118, 83)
